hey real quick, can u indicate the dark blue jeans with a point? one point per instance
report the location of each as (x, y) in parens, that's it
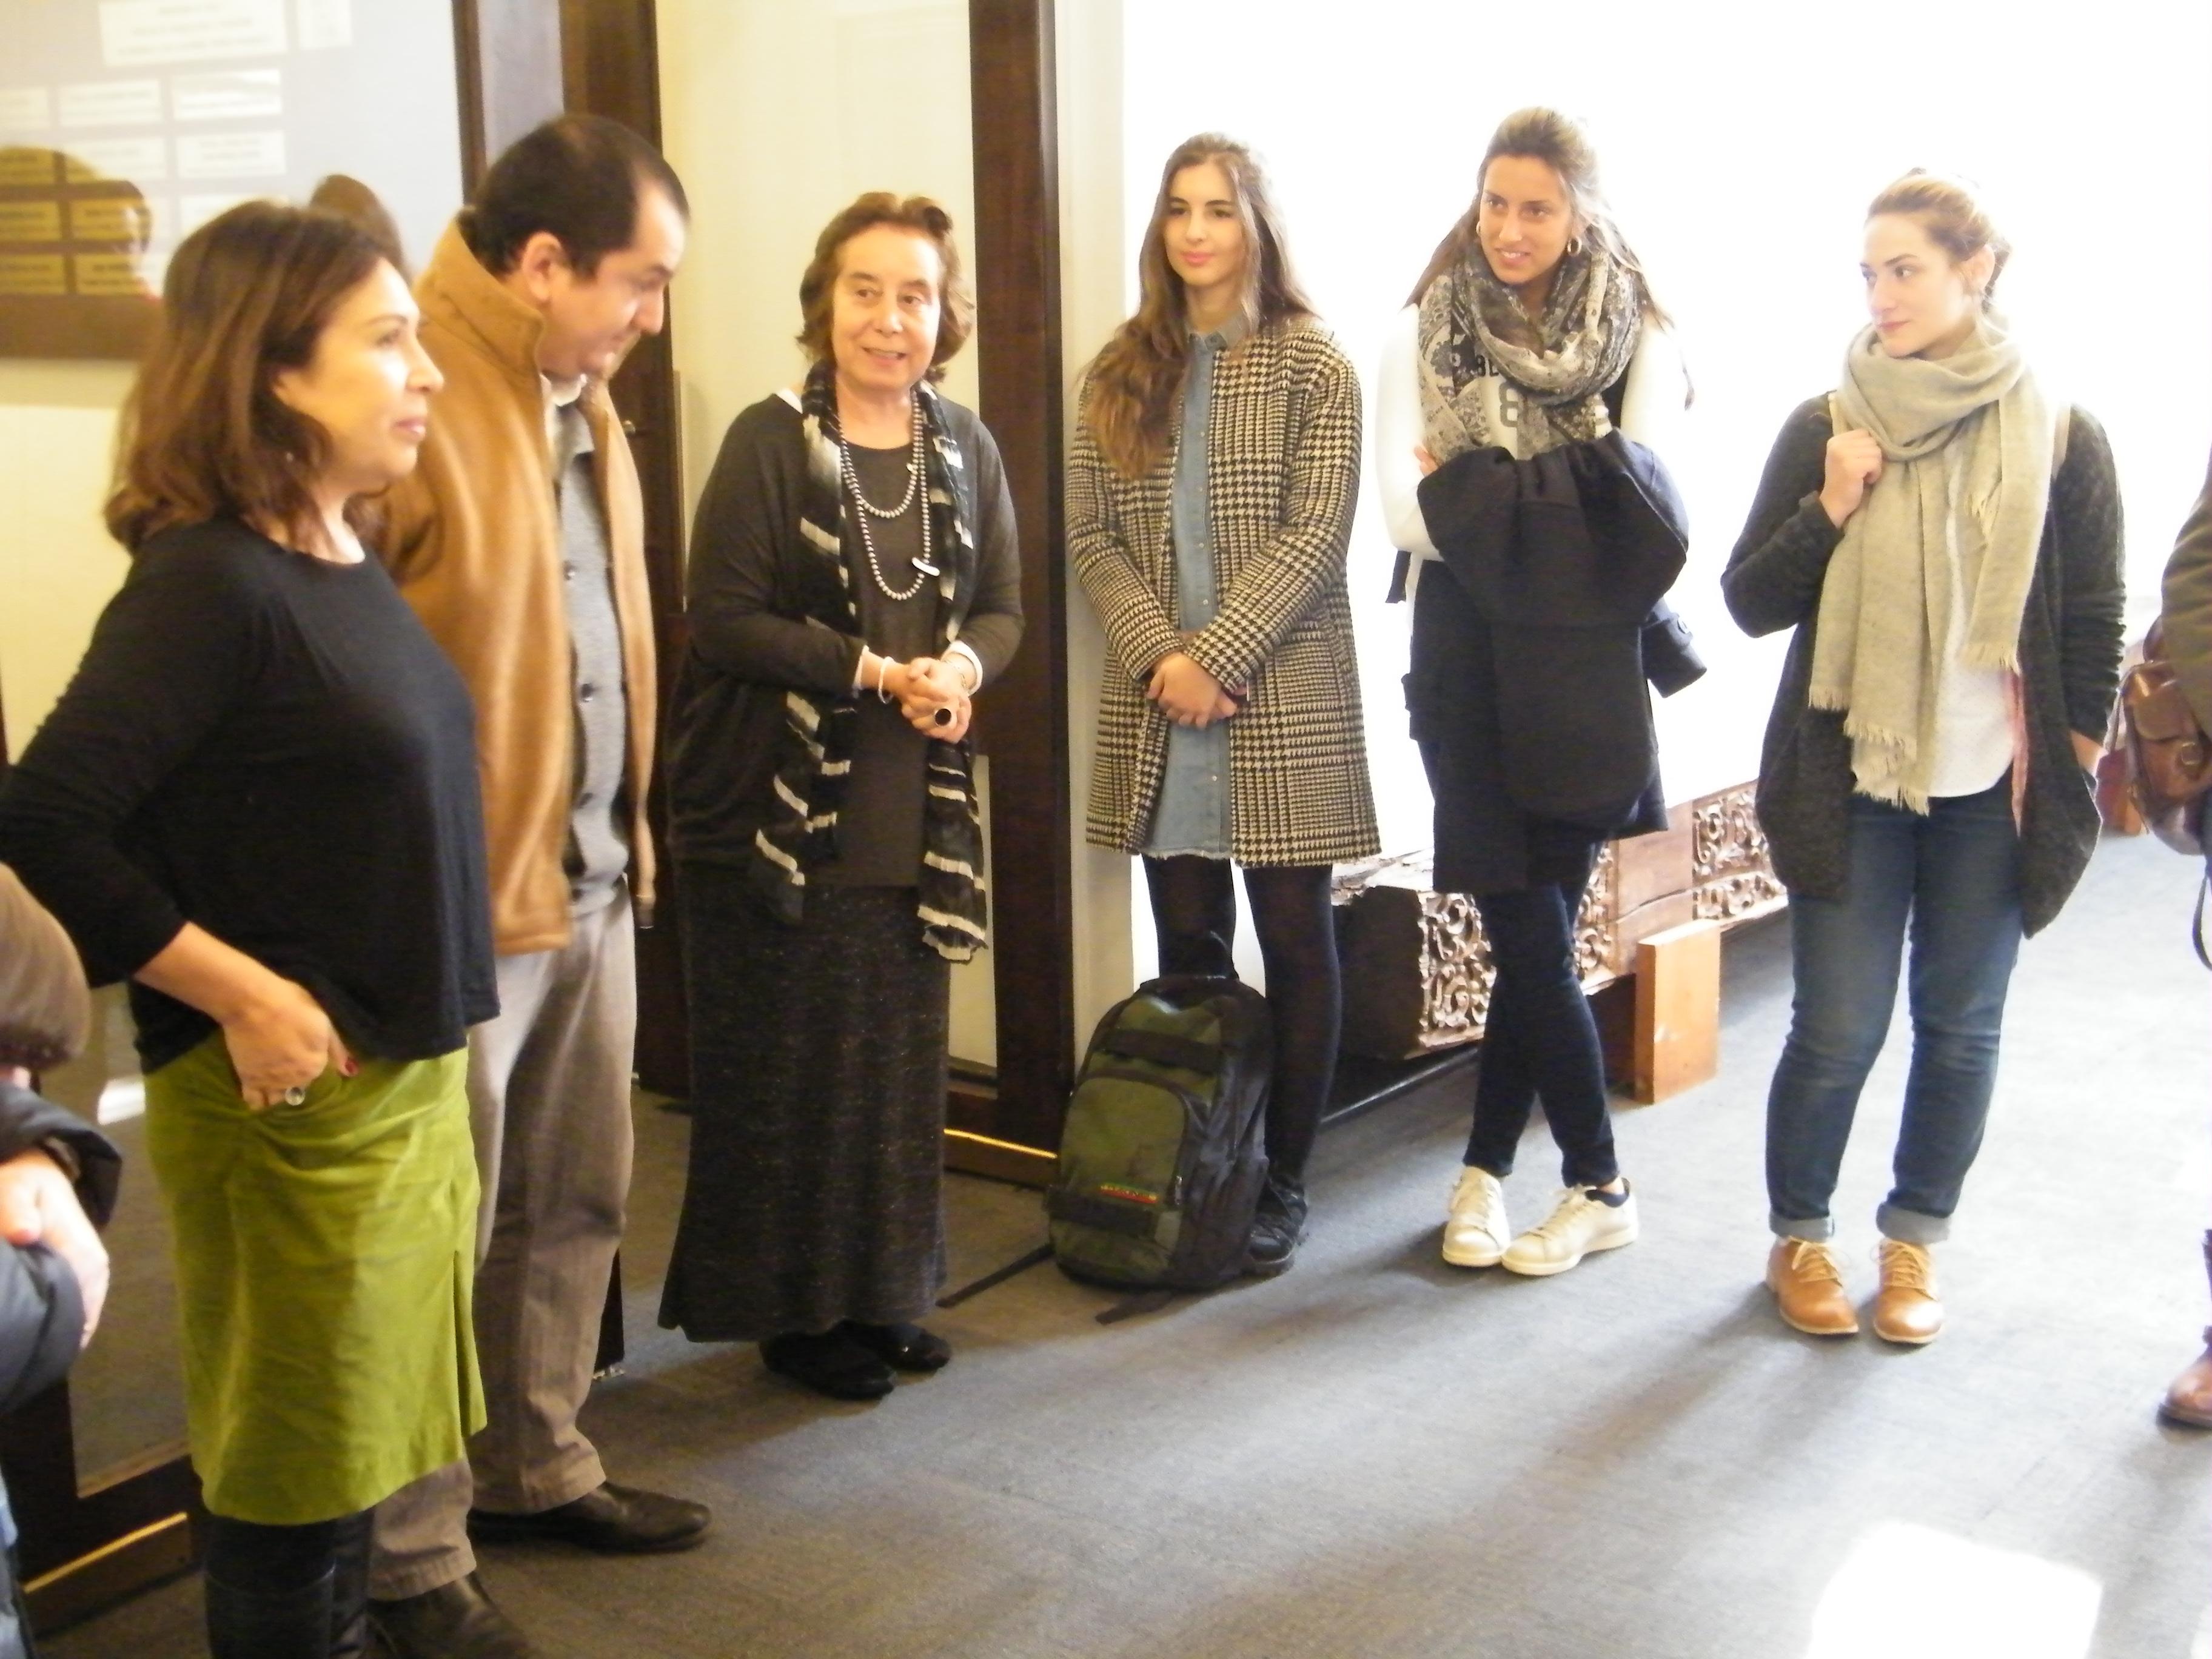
(1539, 1040)
(1951, 881)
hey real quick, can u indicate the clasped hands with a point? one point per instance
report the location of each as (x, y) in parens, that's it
(922, 687)
(1187, 694)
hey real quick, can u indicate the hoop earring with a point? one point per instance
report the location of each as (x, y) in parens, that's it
(1574, 245)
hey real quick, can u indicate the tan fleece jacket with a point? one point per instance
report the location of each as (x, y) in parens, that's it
(473, 539)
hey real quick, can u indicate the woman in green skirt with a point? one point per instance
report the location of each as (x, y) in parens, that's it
(258, 802)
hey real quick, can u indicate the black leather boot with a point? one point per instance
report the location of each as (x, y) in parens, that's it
(349, 1588)
(292, 1624)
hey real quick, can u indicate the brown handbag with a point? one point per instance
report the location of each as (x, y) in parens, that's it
(2169, 757)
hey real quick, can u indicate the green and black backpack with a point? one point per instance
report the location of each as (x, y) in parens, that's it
(1160, 1159)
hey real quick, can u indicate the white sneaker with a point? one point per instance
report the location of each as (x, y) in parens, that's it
(1475, 1227)
(1580, 1223)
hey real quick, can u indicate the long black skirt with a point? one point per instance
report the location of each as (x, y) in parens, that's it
(816, 1191)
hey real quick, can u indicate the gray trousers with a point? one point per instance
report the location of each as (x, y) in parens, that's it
(549, 1093)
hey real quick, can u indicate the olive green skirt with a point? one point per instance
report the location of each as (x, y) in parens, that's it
(324, 1256)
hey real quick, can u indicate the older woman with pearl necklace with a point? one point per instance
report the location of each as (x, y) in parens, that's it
(855, 582)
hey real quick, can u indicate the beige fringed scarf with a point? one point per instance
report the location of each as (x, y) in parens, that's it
(1880, 652)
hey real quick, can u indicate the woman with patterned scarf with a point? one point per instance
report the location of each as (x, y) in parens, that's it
(1945, 540)
(1532, 330)
(1210, 492)
(854, 582)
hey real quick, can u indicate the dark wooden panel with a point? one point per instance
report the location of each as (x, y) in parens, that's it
(508, 56)
(610, 66)
(1022, 723)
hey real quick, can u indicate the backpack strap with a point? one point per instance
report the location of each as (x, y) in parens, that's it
(1162, 1048)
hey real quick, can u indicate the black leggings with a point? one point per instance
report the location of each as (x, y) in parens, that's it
(1195, 909)
(1539, 1039)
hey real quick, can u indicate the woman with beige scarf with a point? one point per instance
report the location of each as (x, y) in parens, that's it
(1946, 542)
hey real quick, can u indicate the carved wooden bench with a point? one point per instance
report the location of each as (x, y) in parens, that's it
(1416, 972)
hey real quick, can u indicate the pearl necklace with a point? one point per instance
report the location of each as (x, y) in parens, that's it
(915, 470)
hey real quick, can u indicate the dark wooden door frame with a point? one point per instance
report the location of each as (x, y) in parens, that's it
(1009, 1127)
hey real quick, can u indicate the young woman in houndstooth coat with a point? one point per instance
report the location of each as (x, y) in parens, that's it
(1215, 466)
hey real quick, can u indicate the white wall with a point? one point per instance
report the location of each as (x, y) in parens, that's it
(1741, 143)
(58, 566)
(1095, 253)
(776, 114)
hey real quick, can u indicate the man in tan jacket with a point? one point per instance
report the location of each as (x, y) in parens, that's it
(519, 540)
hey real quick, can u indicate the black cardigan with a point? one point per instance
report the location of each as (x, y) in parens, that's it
(746, 641)
(2069, 653)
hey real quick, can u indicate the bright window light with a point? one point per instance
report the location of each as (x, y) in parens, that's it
(1910, 1592)
(1740, 144)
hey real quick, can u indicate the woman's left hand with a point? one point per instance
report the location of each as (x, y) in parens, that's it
(936, 687)
(2087, 751)
(1423, 460)
(949, 731)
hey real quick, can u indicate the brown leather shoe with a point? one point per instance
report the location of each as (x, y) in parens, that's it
(454, 1621)
(1807, 1282)
(1905, 1308)
(2189, 1397)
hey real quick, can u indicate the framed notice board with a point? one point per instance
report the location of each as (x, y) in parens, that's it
(124, 124)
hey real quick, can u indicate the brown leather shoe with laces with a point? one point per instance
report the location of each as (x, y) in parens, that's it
(1807, 1282)
(1906, 1309)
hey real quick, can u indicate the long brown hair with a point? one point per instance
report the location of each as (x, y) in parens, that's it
(1544, 135)
(1137, 373)
(204, 434)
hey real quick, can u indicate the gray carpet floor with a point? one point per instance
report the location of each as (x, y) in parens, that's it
(1380, 1457)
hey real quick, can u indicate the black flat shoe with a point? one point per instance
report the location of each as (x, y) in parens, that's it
(831, 1363)
(902, 1347)
(610, 1519)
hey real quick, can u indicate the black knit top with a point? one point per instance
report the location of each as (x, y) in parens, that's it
(269, 746)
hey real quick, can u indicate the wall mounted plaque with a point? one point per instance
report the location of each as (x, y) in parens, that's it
(124, 124)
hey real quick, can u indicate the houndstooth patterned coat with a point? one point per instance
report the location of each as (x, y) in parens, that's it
(1282, 449)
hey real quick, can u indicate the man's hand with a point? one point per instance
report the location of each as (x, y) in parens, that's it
(37, 1206)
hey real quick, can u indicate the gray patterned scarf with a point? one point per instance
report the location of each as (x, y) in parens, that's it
(1474, 334)
(817, 754)
(1973, 423)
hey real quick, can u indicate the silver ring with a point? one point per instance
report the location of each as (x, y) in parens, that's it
(293, 1096)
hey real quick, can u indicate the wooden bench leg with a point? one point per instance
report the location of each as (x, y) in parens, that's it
(1677, 1009)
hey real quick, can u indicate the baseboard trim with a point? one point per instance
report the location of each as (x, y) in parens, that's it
(1002, 1160)
(78, 1588)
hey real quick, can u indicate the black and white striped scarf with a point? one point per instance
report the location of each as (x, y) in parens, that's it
(816, 757)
